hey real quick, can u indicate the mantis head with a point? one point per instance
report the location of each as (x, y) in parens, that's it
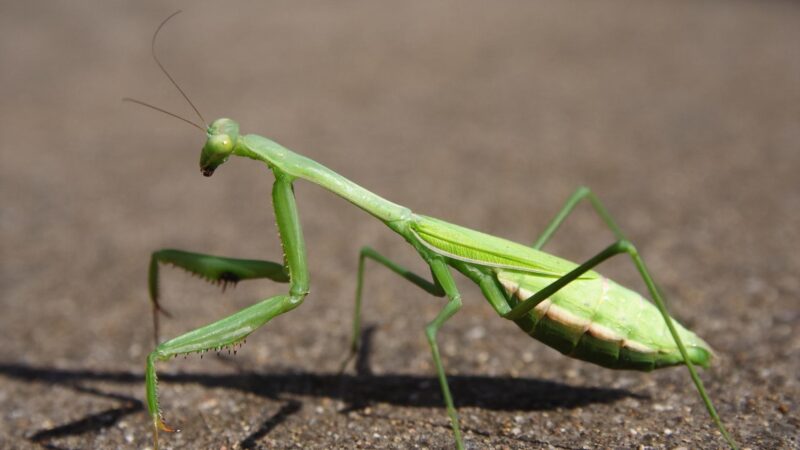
(222, 134)
(222, 137)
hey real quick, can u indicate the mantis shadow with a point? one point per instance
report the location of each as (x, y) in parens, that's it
(356, 391)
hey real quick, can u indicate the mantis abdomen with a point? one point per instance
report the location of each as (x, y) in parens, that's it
(599, 321)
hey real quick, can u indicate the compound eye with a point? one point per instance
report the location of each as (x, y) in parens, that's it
(221, 143)
(216, 151)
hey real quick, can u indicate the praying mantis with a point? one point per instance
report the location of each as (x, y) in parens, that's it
(565, 305)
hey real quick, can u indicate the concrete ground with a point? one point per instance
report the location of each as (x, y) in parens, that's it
(683, 117)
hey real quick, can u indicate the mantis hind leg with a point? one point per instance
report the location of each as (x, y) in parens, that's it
(215, 269)
(621, 246)
(580, 194)
(432, 288)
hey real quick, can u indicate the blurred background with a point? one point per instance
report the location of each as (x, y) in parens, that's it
(682, 117)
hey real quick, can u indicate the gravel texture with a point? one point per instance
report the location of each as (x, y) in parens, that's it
(684, 118)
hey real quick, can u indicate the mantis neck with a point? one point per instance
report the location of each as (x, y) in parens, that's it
(284, 160)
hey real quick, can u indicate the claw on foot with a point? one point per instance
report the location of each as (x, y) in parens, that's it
(161, 425)
(346, 362)
(158, 424)
(160, 309)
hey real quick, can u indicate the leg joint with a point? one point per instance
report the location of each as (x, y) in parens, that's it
(298, 293)
(625, 246)
(430, 332)
(582, 191)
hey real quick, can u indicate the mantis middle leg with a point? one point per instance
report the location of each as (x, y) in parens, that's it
(442, 275)
(443, 284)
(432, 288)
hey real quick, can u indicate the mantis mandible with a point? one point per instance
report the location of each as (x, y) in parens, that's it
(565, 305)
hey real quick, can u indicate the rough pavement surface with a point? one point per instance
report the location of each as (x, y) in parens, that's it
(683, 117)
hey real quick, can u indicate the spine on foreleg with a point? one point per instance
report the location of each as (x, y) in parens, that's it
(601, 322)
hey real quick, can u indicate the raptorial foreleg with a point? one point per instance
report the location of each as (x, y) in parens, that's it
(236, 327)
(215, 269)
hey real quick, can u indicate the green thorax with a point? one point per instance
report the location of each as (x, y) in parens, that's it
(286, 162)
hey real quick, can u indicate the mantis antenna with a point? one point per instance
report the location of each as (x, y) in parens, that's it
(139, 102)
(172, 80)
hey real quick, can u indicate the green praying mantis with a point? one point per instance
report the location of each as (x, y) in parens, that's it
(565, 305)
